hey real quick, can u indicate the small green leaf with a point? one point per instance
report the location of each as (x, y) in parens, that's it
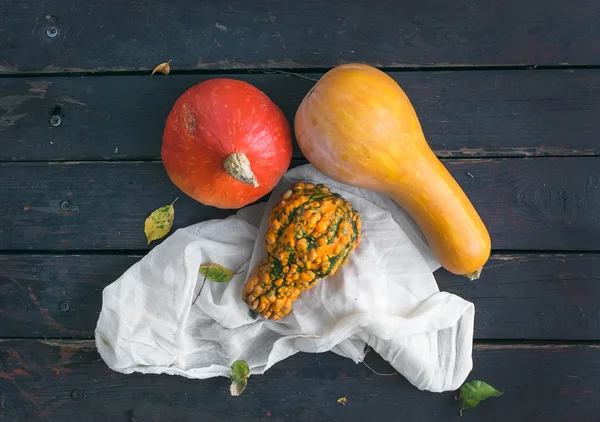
(473, 392)
(239, 377)
(158, 224)
(216, 272)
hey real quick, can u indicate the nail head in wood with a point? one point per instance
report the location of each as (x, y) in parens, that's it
(64, 307)
(65, 205)
(77, 395)
(55, 120)
(52, 31)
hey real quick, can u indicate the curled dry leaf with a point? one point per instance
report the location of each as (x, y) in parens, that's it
(164, 68)
(216, 272)
(342, 401)
(158, 224)
(239, 377)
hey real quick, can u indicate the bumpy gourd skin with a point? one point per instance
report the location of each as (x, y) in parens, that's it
(311, 234)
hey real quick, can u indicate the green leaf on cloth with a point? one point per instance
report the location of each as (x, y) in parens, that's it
(216, 272)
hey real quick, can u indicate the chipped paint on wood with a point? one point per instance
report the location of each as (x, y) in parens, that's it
(49, 321)
(10, 104)
(72, 101)
(515, 152)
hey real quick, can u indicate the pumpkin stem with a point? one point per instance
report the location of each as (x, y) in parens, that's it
(474, 275)
(238, 167)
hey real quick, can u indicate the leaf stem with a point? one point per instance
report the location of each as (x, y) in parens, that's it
(200, 291)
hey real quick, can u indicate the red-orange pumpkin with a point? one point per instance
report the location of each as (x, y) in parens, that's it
(225, 143)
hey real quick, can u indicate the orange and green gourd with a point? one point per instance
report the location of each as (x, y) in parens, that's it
(312, 231)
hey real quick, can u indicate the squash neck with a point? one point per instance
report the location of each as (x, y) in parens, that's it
(237, 166)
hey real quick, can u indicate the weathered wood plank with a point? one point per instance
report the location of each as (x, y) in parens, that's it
(138, 34)
(533, 296)
(56, 381)
(491, 113)
(539, 204)
(523, 296)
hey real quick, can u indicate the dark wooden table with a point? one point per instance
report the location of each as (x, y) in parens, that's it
(508, 93)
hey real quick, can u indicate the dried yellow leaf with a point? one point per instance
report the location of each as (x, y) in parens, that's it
(342, 401)
(158, 224)
(164, 68)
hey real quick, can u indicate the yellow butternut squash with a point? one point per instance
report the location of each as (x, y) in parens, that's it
(357, 126)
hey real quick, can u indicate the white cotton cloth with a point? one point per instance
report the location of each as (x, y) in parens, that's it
(385, 296)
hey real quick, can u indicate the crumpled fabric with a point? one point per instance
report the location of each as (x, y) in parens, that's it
(385, 297)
